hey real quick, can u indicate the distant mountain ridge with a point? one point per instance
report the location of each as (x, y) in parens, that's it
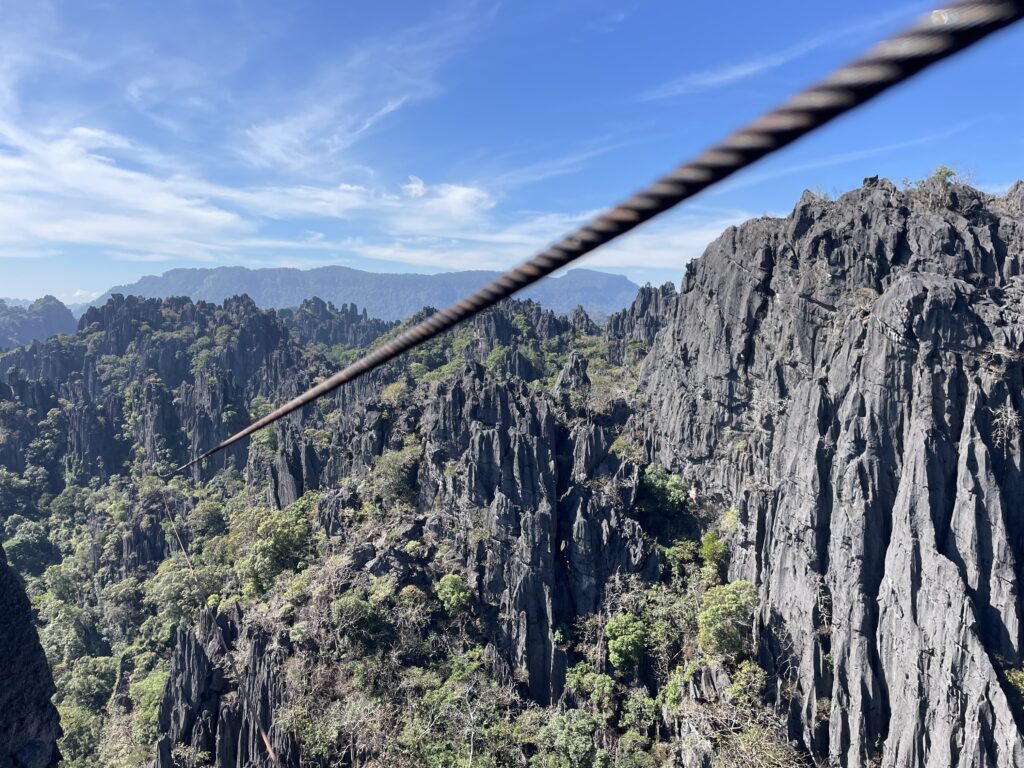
(23, 323)
(388, 296)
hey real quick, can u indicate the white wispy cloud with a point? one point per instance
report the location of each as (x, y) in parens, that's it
(530, 172)
(727, 74)
(65, 189)
(71, 183)
(68, 190)
(62, 192)
(352, 96)
(29, 43)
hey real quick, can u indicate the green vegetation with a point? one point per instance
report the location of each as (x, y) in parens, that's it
(145, 694)
(724, 623)
(1015, 677)
(270, 542)
(392, 482)
(453, 593)
(748, 683)
(627, 641)
(388, 656)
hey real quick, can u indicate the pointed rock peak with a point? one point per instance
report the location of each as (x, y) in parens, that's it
(1015, 194)
(807, 198)
(518, 364)
(649, 293)
(573, 376)
(581, 322)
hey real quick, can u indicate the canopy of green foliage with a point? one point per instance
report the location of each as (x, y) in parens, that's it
(726, 619)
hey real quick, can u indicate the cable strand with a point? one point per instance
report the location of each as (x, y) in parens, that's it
(936, 36)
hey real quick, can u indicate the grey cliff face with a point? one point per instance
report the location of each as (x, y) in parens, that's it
(549, 497)
(631, 332)
(29, 726)
(850, 379)
(220, 710)
(319, 321)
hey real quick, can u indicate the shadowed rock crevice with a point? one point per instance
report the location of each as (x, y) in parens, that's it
(29, 726)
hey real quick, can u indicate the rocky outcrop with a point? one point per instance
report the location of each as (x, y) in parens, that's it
(319, 321)
(182, 375)
(29, 725)
(221, 696)
(850, 378)
(520, 488)
(538, 503)
(631, 332)
(37, 321)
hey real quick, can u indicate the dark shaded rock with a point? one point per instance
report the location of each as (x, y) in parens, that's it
(581, 322)
(208, 706)
(573, 381)
(29, 726)
(539, 544)
(316, 320)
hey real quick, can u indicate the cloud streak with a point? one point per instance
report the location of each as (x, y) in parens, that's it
(69, 191)
(727, 74)
(350, 98)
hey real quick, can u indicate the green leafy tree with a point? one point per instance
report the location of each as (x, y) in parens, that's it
(639, 712)
(393, 477)
(357, 620)
(1015, 677)
(568, 741)
(594, 688)
(273, 541)
(28, 550)
(460, 721)
(627, 641)
(662, 506)
(713, 548)
(176, 592)
(725, 622)
(748, 683)
(454, 594)
(207, 519)
(92, 682)
(664, 490)
(82, 734)
(145, 695)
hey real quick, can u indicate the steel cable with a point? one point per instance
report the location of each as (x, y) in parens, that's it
(935, 37)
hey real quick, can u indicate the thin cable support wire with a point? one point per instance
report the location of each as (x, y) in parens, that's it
(936, 36)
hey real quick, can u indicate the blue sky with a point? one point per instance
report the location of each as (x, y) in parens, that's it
(407, 136)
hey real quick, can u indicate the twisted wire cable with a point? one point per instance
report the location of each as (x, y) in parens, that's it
(936, 36)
